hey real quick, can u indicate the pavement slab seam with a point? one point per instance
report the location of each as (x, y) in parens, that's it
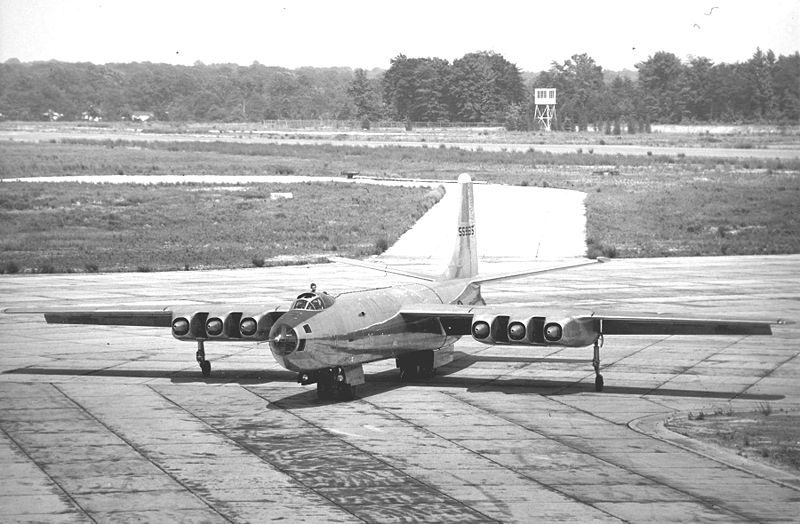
(55, 482)
(373, 456)
(769, 373)
(708, 358)
(710, 504)
(495, 462)
(142, 453)
(254, 452)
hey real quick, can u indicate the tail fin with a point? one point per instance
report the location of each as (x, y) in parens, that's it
(464, 263)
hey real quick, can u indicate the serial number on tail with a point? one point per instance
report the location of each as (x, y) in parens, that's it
(466, 231)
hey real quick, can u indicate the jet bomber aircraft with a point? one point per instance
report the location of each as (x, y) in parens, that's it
(327, 339)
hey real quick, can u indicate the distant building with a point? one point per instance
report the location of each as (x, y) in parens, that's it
(141, 116)
(91, 116)
(52, 115)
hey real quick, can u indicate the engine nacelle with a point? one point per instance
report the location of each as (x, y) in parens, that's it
(258, 326)
(189, 326)
(533, 330)
(224, 326)
(579, 332)
(489, 329)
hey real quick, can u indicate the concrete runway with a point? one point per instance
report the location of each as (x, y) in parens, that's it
(117, 424)
(400, 140)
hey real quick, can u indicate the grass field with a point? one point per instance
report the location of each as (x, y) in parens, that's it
(57, 227)
(637, 206)
(763, 434)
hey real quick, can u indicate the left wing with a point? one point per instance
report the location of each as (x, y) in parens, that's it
(526, 326)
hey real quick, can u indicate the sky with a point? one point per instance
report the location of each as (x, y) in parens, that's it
(617, 34)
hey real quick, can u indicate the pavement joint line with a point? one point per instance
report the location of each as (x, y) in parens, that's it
(552, 489)
(706, 359)
(767, 374)
(654, 426)
(252, 451)
(49, 477)
(141, 453)
(388, 464)
(710, 504)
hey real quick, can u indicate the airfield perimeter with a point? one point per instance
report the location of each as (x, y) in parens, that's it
(104, 423)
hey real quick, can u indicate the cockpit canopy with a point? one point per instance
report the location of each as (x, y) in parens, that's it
(313, 301)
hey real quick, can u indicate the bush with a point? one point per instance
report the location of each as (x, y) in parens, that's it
(258, 262)
(10, 268)
(381, 245)
(46, 268)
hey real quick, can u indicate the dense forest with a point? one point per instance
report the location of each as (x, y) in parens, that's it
(481, 87)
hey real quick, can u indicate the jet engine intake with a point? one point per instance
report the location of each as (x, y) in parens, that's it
(190, 326)
(224, 326)
(490, 329)
(257, 327)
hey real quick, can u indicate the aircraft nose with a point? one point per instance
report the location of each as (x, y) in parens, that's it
(283, 340)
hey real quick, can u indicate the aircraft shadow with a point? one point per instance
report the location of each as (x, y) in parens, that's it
(187, 376)
(384, 381)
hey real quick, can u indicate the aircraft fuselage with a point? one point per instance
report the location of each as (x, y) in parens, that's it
(365, 326)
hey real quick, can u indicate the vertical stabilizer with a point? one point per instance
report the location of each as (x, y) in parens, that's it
(464, 263)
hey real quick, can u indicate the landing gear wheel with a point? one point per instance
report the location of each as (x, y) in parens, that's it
(347, 392)
(598, 383)
(408, 372)
(324, 390)
(416, 365)
(205, 368)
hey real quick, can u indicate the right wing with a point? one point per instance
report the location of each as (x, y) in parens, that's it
(150, 317)
(187, 322)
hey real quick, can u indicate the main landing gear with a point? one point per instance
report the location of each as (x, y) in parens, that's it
(416, 365)
(337, 383)
(598, 378)
(205, 365)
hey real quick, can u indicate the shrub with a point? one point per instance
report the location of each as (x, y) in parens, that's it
(381, 245)
(258, 262)
(10, 268)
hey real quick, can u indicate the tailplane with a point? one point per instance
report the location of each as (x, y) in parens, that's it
(464, 263)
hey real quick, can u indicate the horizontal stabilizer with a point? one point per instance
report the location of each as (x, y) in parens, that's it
(384, 268)
(528, 272)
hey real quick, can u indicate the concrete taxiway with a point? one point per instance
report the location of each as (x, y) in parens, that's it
(117, 424)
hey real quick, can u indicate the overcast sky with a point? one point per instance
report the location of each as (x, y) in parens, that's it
(367, 34)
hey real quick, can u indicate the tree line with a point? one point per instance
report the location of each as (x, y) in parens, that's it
(481, 87)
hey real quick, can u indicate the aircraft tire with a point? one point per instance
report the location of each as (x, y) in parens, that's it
(324, 390)
(598, 383)
(205, 368)
(347, 392)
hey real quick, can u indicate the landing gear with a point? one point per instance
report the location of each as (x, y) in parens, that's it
(598, 378)
(205, 365)
(337, 383)
(416, 365)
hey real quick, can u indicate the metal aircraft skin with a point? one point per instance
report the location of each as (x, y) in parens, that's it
(327, 339)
